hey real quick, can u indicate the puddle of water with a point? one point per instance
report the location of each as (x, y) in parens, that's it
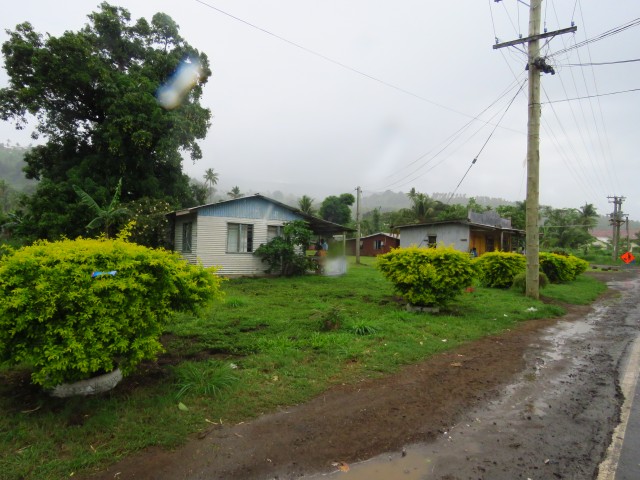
(412, 464)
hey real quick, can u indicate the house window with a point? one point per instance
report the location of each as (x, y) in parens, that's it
(187, 237)
(489, 245)
(274, 231)
(239, 238)
(378, 244)
(432, 241)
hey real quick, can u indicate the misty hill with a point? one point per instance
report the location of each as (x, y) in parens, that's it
(11, 165)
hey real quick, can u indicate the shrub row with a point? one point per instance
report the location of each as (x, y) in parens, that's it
(433, 276)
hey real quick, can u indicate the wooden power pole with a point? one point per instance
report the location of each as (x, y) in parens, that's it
(535, 65)
(358, 225)
(616, 220)
(533, 157)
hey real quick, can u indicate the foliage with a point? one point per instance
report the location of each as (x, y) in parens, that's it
(210, 378)
(330, 319)
(561, 268)
(73, 308)
(427, 276)
(210, 181)
(150, 227)
(423, 206)
(517, 213)
(235, 192)
(107, 215)
(336, 209)
(305, 204)
(567, 227)
(498, 269)
(520, 281)
(286, 255)
(93, 93)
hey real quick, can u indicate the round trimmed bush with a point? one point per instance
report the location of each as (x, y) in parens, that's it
(498, 269)
(427, 276)
(561, 268)
(520, 281)
(75, 308)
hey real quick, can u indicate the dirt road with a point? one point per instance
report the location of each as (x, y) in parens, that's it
(539, 402)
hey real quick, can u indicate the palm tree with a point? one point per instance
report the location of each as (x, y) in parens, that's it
(210, 180)
(235, 192)
(305, 204)
(423, 206)
(103, 215)
(588, 216)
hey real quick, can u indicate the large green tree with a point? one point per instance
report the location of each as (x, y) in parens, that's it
(93, 93)
(517, 213)
(564, 228)
(337, 209)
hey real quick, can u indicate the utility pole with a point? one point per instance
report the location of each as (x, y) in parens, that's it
(535, 65)
(358, 225)
(615, 221)
(533, 157)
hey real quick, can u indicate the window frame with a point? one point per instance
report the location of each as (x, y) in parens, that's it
(244, 239)
(187, 237)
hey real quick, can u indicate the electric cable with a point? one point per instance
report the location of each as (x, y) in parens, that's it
(335, 62)
(473, 162)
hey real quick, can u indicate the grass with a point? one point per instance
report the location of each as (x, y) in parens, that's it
(273, 342)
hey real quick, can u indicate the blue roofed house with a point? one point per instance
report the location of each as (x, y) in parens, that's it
(226, 234)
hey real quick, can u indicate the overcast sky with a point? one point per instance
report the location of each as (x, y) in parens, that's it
(317, 98)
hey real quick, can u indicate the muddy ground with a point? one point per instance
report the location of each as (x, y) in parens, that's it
(537, 402)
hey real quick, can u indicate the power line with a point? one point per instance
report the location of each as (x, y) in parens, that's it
(616, 62)
(594, 96)
(335, 62)
(447, 143)
(602, 36)
(473, 162)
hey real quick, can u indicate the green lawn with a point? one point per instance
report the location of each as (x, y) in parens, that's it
(272, 342)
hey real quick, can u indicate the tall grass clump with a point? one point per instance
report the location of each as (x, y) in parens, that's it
(210, 378)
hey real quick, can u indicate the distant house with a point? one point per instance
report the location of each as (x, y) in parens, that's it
(372, 245)
(486, 232)
(226, 234)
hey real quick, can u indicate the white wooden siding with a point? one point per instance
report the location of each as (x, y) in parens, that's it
(212, 246)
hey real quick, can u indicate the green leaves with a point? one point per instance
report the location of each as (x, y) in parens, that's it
(69, 325)
(498, 269)
(93, 95)
(103, 215)
(427, 276)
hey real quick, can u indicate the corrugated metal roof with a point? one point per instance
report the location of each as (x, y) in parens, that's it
(260, 207)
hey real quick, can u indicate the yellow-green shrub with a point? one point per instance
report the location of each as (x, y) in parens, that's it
(69, 323)
(561, 268)
(427, 276)
(498, 269)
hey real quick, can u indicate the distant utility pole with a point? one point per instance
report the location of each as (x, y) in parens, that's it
(615, 221)
(535, 65)
(358, 191)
